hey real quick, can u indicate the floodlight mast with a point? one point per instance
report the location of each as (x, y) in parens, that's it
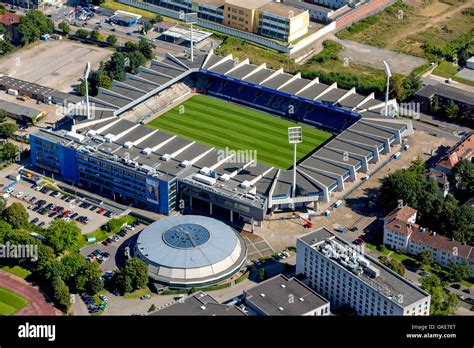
(389, 75)
(295, 136)
(191, 18)
(86, 77)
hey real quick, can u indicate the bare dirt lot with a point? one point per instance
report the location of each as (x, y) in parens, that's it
(55, 64)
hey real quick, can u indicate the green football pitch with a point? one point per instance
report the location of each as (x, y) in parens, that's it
(225, 125)
(10, 302)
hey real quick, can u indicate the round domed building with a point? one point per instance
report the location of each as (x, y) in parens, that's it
(190, 251)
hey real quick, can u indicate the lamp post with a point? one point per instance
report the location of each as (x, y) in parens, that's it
(86, 77)
(191, 18)
(389, 75)
(295, 136)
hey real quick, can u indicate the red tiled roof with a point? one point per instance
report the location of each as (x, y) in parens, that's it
(9, 19)
(463, 149)
(401, 214)
(443, 243)
(397, 221)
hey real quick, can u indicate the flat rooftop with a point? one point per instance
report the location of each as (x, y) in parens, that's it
(199, 304)
(272, 297)
(388, 282)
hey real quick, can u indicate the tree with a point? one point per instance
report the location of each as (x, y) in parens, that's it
(158, 18)
(462, 179)
(82, 33)
(146, 48)
(66, 29)
(137, 270)
(3, 204)
(3, 115)
(8, 129)
(435, 107)
(451, 110)
(5, 232)
(8, 152)
(135, 59)
(112, 39)
(2, 9)
(134, 276)
(61, 293)
(15, 215)
(152, 308)
(441, 303)
(62, 235)
(33, 25)
(459, 271)
(95, 35)
(47, 265)
(262, 274)
(426, 257)
(116, 66)
(146, 28)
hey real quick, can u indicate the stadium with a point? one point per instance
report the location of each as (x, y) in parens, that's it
(190, 251)
(170, 137)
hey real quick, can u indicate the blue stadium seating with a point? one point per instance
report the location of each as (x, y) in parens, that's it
(274, 102)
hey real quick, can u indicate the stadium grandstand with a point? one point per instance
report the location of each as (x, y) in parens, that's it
(115, 154)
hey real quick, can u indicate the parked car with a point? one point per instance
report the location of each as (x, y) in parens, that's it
(41, 224)
(100, 211)
(467, 291)
(456, 286)
(35, 220)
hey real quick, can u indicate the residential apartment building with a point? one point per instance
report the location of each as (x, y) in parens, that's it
(464, 149)
(401, 232)
(346, 277)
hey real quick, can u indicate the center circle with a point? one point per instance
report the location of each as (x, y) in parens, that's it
(186, 236)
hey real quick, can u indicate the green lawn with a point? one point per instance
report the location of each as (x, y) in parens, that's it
(225, 125)
(137, 293)
(10, 302)
(17, 270)
(449, 70)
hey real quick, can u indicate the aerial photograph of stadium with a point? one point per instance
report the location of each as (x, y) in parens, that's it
(237, 158)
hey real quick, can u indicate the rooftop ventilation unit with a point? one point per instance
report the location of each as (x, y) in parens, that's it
(301, 299)
(203, 307)
(262, 295)
(185, 164)
(99, 138)
(205, 179)
(246, 184)
(166, 157)
(78, 138)
(146, 151)
(280, 309)
(109, 138)
(283, 286)
(224, 177)
(91, 133)
(205, 171)
(128, 145)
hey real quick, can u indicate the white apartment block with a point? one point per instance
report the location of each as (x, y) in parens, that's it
(346, 276)
(402, 233)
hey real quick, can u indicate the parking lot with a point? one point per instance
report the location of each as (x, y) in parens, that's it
(58, 207)
(55, 64)
(111, 255)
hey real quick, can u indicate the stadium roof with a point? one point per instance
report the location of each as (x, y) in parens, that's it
(167, 156)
